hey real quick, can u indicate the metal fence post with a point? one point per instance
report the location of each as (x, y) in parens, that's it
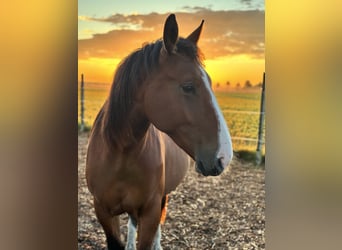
(82, 104)
(261, 124)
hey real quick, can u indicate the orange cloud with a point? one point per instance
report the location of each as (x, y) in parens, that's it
(225, 33)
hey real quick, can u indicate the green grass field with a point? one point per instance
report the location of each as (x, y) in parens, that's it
(240, 109)
(241, 112)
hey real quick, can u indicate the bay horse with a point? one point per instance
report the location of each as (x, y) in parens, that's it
(161, 116)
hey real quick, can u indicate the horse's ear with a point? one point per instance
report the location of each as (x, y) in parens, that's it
(194, 36)
(170, 34)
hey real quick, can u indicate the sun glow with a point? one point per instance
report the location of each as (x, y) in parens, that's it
(99, 70)
(235, 69)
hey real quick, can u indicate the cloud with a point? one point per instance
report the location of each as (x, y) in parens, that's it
(117, 18)
(196, 8)
(83, 18)
(247, 2)
(226, 33)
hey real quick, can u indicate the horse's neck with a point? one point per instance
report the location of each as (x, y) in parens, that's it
(139, 124)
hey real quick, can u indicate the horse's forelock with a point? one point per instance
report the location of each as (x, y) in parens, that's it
(190, 50)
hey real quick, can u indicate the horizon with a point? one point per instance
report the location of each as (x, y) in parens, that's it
(103, 86)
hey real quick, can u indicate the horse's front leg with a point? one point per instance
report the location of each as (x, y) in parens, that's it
(157, 238)
(131, 233)
(148, 226)
(111, 227)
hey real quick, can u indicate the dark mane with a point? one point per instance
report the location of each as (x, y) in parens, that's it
(129, 76)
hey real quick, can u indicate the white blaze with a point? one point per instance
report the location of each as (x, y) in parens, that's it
(225, 150)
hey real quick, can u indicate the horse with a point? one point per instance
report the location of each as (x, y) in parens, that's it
(161, 117)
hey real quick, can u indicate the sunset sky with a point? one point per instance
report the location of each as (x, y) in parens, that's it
(232, 39)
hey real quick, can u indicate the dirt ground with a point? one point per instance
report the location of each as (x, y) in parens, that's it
(224, 212)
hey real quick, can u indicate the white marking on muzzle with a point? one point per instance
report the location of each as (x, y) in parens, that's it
(225, 150)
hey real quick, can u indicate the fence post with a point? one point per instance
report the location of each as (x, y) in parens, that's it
(261, 124)
(82, 104)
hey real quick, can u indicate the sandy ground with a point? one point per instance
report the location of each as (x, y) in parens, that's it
(224, 212)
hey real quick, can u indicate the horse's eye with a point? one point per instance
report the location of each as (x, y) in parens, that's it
(188, 88)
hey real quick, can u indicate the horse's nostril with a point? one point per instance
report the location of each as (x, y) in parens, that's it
(200, 168)
(219, 163)
(213, 170)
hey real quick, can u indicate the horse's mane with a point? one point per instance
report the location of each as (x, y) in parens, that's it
(129, 76)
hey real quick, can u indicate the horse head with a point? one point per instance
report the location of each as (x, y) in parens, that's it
(179, 101)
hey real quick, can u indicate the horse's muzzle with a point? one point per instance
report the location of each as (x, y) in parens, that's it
(213, 170)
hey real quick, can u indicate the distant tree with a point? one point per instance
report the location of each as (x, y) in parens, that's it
(228, 83)
(259, 85)
(217, 85)
(238, 85)
(248, 84)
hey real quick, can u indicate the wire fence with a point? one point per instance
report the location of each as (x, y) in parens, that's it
(260, 140)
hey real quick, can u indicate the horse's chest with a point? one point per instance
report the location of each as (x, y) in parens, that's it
(131, 187)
